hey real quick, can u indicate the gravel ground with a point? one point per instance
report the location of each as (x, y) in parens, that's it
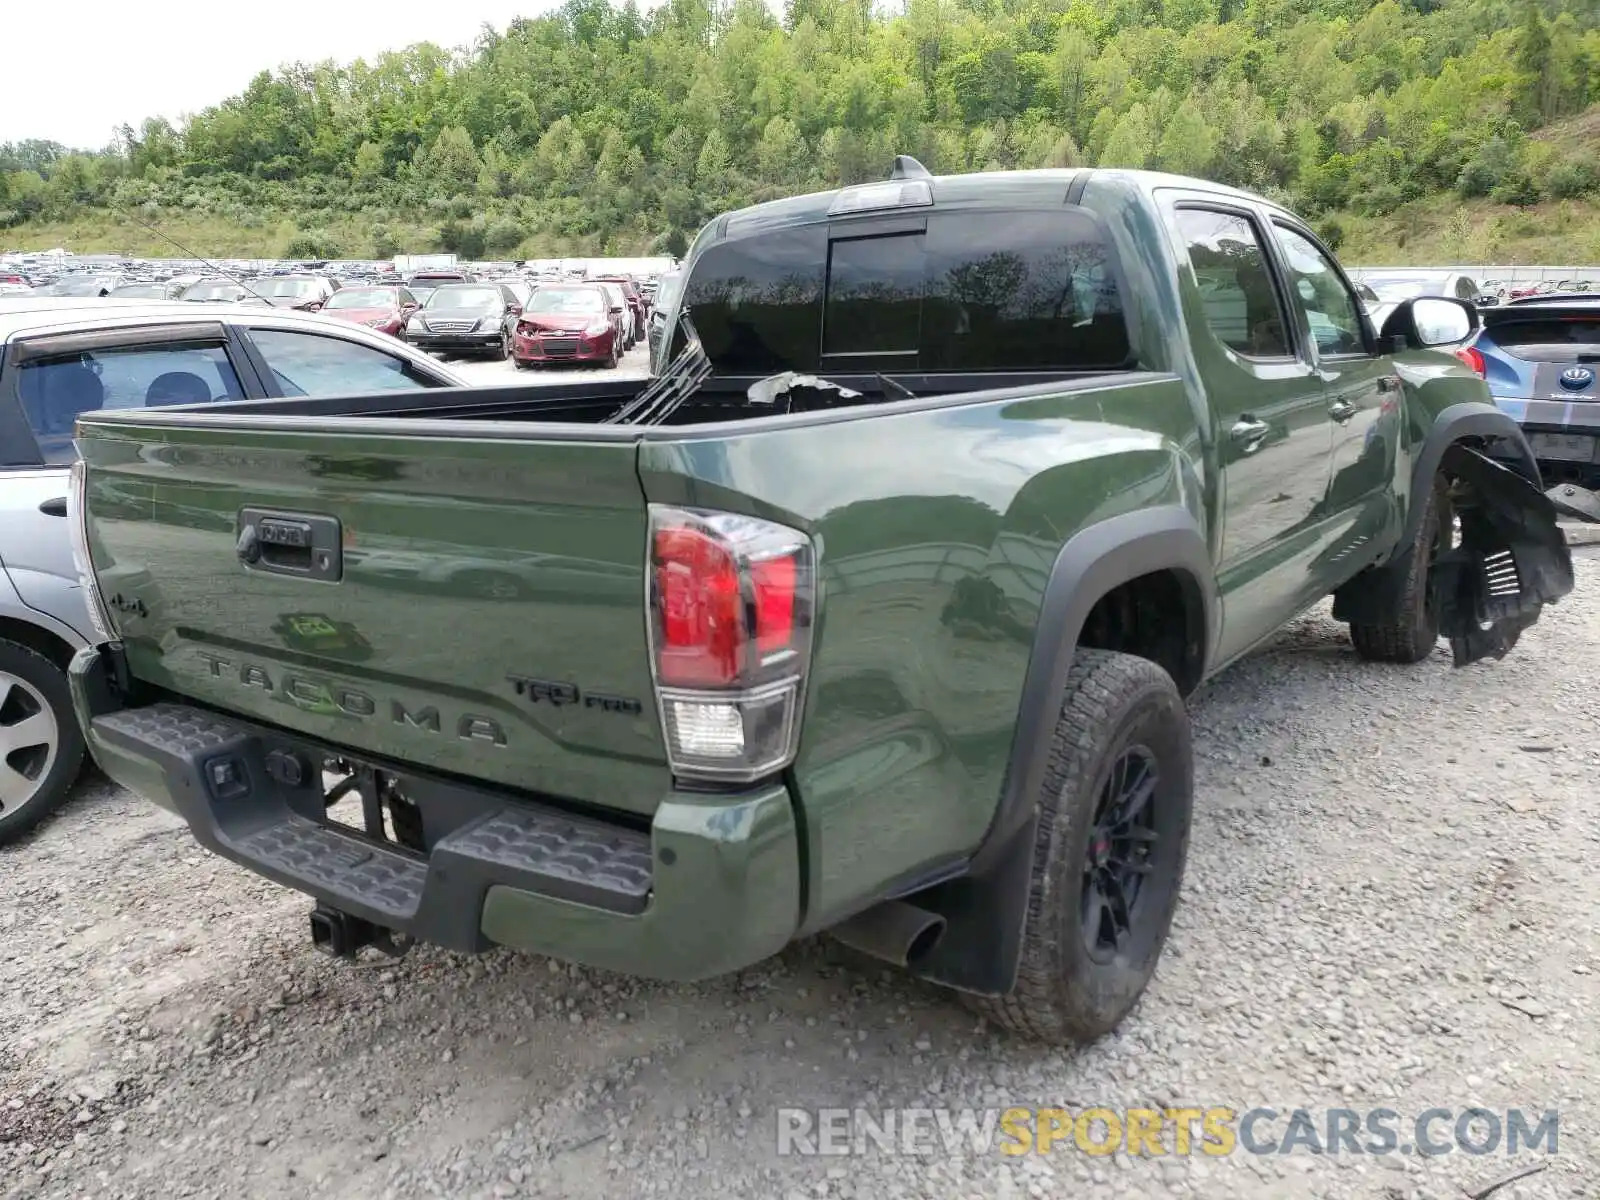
(1391, 902)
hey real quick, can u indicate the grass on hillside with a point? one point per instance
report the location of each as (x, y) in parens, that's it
(97, 231)
(1447, 230)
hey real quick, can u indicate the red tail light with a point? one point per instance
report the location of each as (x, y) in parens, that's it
(731, 607)
(702, 617)
(1474, 360)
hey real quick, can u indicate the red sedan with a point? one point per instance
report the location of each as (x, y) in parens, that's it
(386, 309)
(566, 322)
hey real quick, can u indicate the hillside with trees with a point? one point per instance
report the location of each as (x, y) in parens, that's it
(598, 129)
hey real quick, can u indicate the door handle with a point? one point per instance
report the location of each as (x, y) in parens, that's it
(1248, 432)
(56, 507)
(1342, 410)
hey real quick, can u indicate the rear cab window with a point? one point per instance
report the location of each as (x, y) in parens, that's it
(1021, 290)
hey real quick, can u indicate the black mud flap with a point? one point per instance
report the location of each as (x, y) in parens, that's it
(1510, 561)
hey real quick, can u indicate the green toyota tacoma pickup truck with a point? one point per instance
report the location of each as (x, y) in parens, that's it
(873, 613)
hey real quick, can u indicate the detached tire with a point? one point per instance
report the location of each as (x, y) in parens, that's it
(41, 746)
(1108, 861)
(1412, 631)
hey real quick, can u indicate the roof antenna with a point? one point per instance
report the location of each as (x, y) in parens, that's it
(906, 167)
(196, 257)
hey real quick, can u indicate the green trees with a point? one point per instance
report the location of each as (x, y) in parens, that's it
(601, 126)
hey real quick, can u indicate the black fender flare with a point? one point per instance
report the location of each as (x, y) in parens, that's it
(1472, 419)
(1371, 595)
(1091, 563)
(986, 908)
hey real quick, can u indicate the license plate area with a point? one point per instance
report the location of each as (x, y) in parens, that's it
(1565, 447)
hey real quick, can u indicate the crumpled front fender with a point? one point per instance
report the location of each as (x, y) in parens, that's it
(1510, 561)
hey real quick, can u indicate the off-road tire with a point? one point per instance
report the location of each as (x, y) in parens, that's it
(51, 683)
(1112, 703)
(1412, 632)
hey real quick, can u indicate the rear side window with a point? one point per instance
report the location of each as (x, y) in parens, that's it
(1024, 291)
(1550, 339)
(55, 392)
(1012, 291)
(1241, 304)
(312, 364)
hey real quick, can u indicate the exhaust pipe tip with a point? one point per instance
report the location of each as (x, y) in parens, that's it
(894, 931)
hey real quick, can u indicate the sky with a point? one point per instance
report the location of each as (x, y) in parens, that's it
(76, 69)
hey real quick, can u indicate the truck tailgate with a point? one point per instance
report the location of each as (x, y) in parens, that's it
(474, 603)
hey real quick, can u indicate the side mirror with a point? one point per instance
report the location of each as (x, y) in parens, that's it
(515, 310)
(1430, 321)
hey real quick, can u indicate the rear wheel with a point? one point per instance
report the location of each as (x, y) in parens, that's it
(1411, 631)
(41, 747)
(1108, 861)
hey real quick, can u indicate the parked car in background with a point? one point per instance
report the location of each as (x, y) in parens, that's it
(1391, 287)
(308, 293)
(665, 297)
(61, 358)
(567, 323)
(215, 291)
(466, 318)
(147, 290)
(1541, 359)
(423, 283)
(82, 285)
(520, 288)
(617, 305)
(635, 302)
(386, 309)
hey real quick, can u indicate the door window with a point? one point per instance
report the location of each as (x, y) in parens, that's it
(315, 364)
(55, 392)
(1331, 308)
(1230, 268)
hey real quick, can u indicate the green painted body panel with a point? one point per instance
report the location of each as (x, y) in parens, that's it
(936, 531)
(463, 562)
(730, 897)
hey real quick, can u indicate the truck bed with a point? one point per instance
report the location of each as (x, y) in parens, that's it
(590, 402)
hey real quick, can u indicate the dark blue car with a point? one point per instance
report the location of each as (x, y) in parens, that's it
(1541, 359)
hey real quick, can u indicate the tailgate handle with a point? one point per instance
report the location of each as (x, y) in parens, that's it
(296, 544)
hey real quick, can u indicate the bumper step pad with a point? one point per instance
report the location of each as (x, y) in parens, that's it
(217, 774)
(348, 868)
